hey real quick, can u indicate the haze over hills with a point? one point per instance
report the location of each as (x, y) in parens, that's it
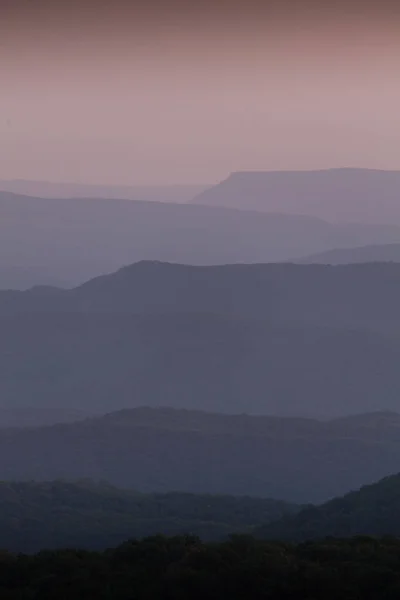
(37, 416)
(345, 296)
(279, 339)
(20, 278)
(361, 195)
(297, 460)
(85, 514)
(75, 239)
(363, 254)
(102, 362)
(52, 189)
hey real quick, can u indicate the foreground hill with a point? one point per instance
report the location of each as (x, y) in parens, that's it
(298, 460)
(58, 514)
(373, 510)
(363, 195)
(74, 239)
(364, 254)
(99, 362)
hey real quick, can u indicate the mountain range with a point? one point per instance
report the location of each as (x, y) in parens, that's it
(52, 189)
(360, 195)
(362, 296)
(66, 241)
(362, 254)
(300, 340)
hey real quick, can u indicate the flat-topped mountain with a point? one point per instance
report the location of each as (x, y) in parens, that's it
(362, 195)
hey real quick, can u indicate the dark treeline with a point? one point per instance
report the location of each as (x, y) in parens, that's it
(183, 567)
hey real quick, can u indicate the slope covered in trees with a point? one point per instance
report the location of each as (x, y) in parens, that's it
(57, 514)
(373, 510)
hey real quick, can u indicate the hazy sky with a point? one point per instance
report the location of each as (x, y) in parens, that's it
(189, 91)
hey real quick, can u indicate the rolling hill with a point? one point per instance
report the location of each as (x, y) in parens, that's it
(162, 450)
(363, 296)
(60, 514)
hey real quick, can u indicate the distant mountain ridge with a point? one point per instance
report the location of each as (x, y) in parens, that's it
(362, 195)
(52, 189)
(38, 416)
(363, 254)
(351, 296)
(75, 239)
(281, 339)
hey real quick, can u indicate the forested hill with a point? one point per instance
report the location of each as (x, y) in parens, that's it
(373, 510)
(35, 516)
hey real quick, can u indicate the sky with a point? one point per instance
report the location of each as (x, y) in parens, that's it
(162, 92)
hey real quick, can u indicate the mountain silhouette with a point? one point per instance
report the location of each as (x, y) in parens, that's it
(362, 195)
(363, 254)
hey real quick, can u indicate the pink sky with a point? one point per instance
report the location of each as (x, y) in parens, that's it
(137, 96)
